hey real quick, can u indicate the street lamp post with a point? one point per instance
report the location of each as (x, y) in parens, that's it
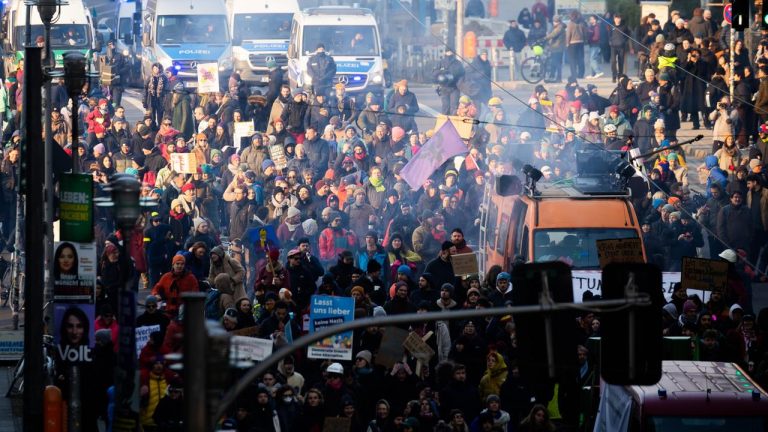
(126, 190)
(74, 71)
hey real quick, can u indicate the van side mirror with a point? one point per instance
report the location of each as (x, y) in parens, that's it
(145, 39)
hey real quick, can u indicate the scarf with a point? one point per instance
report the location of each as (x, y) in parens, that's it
(279, 206)
(292, 227)
(378, 184)
(177, 216)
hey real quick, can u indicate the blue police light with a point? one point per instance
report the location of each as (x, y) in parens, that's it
(177, 67)
(357, 78)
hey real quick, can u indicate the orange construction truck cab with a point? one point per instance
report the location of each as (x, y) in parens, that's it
(548, 222)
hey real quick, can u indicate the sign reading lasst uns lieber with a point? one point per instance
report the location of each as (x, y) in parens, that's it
(326, 311)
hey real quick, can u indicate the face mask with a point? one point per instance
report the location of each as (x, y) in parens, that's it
(103, 110)
(288, 399)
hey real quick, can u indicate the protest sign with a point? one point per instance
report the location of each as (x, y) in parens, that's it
(251, 348)
(326, 311)
(75, 335)
(185, 163)
(463, 125)
(464, 264)
(418, 347)
(74, 273)
(242, 130)
(591, 280)
(628, 250)
(76, 207)
(207, 78)
(277, 154)
(11, 344)
(704, 274)
(337, 424)
(391, 348)
(142, 336)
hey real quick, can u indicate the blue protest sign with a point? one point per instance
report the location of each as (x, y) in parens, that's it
(326, 311)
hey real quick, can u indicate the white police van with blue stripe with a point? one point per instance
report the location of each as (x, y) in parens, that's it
(182, 34)
(351, 37)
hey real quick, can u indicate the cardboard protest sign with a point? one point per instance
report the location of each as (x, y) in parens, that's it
(250, 348)
(464, 264)
(326, 311)
(207, 78)
(463, 125)
(704, 274)
(628, 250)
(391, 348)
(185, 163)
(142, 336)
(418, 348)
(277, 154)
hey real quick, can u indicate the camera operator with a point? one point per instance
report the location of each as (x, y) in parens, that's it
(724, 118)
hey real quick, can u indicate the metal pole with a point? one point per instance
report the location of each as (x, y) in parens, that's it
(74, 401)
(460, 28)
(126, 378)
(393, 320)
(75, 134)
(48, 184)
(28, 28)
(34, 230)
(733, 59)
(195, 353)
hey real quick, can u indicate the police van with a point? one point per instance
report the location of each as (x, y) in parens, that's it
(128, 40)
(261, 31)
(71, 30)
(351, 37)
(183, 34)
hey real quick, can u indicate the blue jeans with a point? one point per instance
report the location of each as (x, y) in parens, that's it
(594, 57)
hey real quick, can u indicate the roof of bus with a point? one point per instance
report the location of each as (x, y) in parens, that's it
(583, 213)
(686, 384)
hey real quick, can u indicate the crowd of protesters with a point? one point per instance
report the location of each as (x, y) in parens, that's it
(338, 219)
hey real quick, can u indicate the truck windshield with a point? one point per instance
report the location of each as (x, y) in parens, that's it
(342, 41)
(124, 27)
(63, 36)
(180, 29)
(706, 424)
(262, 26)
(576, 244)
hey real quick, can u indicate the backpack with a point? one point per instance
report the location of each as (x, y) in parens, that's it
(212, 310)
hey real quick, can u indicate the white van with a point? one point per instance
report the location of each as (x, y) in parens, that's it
(351, 37)
(181, 34)
(261, 30)
(72, 30)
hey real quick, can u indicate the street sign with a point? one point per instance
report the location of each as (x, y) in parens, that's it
(728, 12)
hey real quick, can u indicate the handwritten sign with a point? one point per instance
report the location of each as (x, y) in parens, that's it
(142, 336)
(619, 251)
(185, 163)
(464, 264)
(704, 274)
(463, 125)
(250, 348)
(418, 348)
(277, 154)
(207, 78)
(591, 280)
(337, 424)
(242, 130)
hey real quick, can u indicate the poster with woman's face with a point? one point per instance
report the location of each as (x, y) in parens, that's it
(74, 334)
(74, 272)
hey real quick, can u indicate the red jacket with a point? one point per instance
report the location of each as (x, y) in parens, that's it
(332, 243)
(169, 288)
(92, 119)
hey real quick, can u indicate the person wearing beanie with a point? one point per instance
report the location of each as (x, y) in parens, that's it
(152, 315)
(301, 277)
(273, 276)
(372, 252)
(399, 304)
(290, 229)
(503, 291)
(223, 264)
(335, 239)
(172, 284)
(441, 267)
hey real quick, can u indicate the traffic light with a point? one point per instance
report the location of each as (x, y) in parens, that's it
(740, 14)
(615, 348)
(763, 15)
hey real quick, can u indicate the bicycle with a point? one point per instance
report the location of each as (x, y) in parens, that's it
(534, 69)
(16, 387)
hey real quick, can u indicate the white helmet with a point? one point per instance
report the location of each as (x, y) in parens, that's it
(609, 128)
(335, 368)
(669, 47)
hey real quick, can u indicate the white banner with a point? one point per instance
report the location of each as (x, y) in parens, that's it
(142, 336)
(244, 347)
(591, 280)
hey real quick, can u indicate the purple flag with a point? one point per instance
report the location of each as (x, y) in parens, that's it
(443, 145)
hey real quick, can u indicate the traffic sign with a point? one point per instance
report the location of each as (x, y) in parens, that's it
(728, 12)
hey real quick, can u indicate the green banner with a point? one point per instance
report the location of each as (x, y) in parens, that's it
(76, 208)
